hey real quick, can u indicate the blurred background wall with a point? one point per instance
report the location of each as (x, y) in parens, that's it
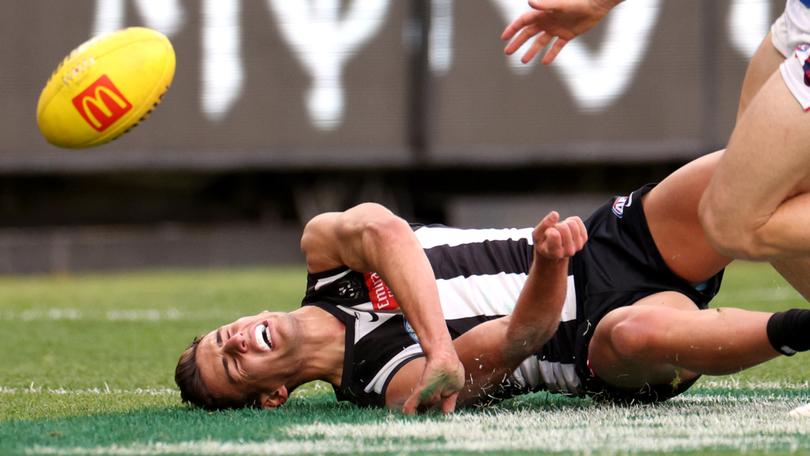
(281, 109)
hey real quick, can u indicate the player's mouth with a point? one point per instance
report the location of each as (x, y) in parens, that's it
(263, 338)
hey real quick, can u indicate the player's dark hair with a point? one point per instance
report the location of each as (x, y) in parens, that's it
(192, 388)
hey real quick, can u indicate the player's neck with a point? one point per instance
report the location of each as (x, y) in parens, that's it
(322, 345)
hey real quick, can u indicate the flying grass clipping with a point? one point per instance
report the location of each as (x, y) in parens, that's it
(105, 87)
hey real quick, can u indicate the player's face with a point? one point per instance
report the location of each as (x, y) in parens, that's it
(252, 354)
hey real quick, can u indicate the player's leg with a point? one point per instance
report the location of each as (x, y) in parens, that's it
(756, 205)
(756, 200)
(656, 349)
(673, 222)
(664, 338)
(778, 44)
(671, 212)
(763, 64)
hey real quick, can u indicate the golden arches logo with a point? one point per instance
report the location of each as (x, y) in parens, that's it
(101, 104)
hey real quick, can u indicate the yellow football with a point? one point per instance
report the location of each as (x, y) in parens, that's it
(105, 87)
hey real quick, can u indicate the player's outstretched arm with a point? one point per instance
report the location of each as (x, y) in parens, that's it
(369, 237)
(549, 19)
(494, 349)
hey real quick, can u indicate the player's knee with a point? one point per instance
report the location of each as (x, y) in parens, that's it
(732, 238)
(714, 227)
(632, 335)
(742, 245)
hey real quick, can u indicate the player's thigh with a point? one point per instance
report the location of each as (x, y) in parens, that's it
(767, 159)
(672, 216)
(626, 351)
(763, 64)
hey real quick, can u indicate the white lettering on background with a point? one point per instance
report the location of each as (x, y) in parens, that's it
(323, 42)
(222, 67)
(748, 22)
(324, 36)
(166, 16)
(441, 36)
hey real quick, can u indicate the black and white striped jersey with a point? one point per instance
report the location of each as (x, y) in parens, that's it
(479, 274)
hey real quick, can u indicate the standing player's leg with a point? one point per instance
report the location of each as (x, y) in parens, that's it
(756, 200)
(766, 60)
(664, 339)
(757, 204)
(763, 64)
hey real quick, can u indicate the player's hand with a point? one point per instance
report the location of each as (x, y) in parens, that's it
(549, 19)
(557, 240)
(439, 385)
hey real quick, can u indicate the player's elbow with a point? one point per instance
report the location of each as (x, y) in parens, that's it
(318, 235)
(378, 227)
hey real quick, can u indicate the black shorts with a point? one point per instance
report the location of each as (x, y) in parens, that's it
(619, 265)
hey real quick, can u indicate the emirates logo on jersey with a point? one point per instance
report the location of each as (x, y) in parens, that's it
(379, 293)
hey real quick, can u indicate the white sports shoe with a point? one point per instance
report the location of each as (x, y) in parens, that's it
(801, 411)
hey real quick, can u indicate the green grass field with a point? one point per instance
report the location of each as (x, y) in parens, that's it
(88, 362)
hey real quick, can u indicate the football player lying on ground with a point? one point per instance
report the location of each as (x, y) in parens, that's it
(623, 317)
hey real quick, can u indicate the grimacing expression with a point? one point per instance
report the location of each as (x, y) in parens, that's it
(248, 357)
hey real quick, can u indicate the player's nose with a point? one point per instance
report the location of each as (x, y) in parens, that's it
(236, 343)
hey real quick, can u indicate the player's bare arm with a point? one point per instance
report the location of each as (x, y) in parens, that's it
(493, 350)
(369, 237)
(550, 19)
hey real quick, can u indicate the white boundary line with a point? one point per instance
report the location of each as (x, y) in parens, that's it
(73, 314)
(158, 391)
(733, 383)
(33, 389)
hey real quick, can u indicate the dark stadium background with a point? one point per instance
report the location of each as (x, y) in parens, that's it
(281, 109)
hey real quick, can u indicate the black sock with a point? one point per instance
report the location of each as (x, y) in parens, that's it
(789, 331)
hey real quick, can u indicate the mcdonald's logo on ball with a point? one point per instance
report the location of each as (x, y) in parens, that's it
(101, 104)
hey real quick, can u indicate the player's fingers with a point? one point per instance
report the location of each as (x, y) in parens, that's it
(582, 232)
(547, 222)
(512, 28)
(518, 24)
(552, 246)
(577, 234)
(538, 44)
(520, 39)
(541, 42)
(544, 5)
(566, 239)
(554, 50)
(577, 231)
(449, 403)
(409, 407)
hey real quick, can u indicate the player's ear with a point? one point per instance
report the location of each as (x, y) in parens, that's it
(275, 399)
